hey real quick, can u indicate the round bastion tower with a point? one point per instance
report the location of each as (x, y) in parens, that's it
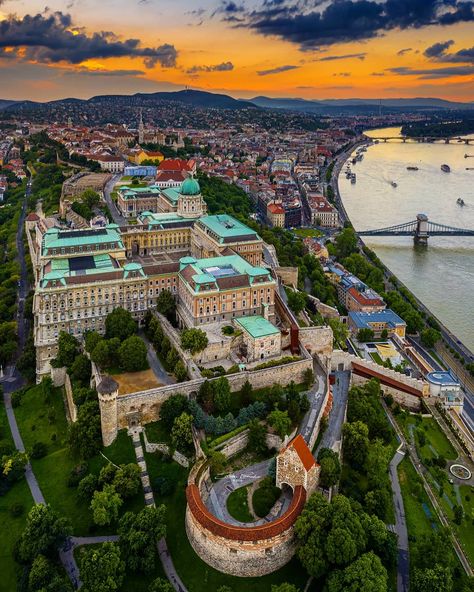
(190, 201)
(107, 391)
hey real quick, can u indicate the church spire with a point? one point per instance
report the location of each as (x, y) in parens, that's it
(141, 129)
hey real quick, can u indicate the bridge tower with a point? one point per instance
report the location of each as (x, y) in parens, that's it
(421, 233)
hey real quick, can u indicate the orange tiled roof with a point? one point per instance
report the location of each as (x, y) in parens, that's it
(302, 450)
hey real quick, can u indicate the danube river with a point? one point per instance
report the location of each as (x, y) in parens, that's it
(441, 275)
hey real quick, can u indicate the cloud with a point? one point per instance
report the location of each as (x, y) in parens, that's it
(437, 49)
(224, 67)
(437, 52)
(378, 74)
(427, 74)
(402, 52)
(347, 56)
(277, 70)
(99, 72)
(343, 74)
(51, 37)
(311, 26)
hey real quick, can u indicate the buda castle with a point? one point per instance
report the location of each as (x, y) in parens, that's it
(212, 264)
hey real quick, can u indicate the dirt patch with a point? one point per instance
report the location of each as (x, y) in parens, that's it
(133, 382)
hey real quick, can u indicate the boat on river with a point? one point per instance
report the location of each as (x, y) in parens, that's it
(393, 184)
(460, 201)
(412, 168)
(445, 168)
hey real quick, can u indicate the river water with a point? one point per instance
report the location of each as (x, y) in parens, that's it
(442, 274)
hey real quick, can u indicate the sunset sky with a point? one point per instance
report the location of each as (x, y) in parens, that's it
(288, 48)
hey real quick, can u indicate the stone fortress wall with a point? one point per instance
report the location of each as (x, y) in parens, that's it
(120, 411)
(405, 390)
(240, 551)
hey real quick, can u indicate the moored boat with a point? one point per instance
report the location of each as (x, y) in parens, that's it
(445, 168)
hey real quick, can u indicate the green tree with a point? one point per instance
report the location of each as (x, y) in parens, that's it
(132, 354)
(84, 435)
(356, 442)
(87, 486)
(346, 243)
(100, 355)
(160, 585)
(194, 340)
(68, 348)
(330, 467)
(366, 574)
(222, 394)
(340, 333)
(119, 323)
(378, 458)
(432, 579)
(139, 535)
(80, 369)
(217, 462)
(246, 393)
(377, 502)
(308, 378)
(102, 569)
(285, 587)
(91, 339)
(205, 396)
(166, 304)
(44, 577)
(105, 505)
(257, 437)
(172, 408)
(365, 335)
(280, 422)
(296, 301)
(181, 433)
(180, 372)
(430, 337)
(44, 533)
(126, 481)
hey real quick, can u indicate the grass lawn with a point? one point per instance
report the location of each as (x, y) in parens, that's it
(307, 232)
(11, 530)
(156, 431)
(466, 529)
(416, 502)
(197, 575)
(265, 497)
(237, 505)
(376, 358)
(436, 437)
(45, 421)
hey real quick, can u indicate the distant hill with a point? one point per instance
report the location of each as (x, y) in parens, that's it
(352, 106)
(194, 98)
(4, 103)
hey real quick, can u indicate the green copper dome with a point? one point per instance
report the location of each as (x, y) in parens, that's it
(190, 187)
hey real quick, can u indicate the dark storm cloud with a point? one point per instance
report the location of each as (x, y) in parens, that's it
(224, 67)
(276, 70)
(311, 26)
(437, 49)
(347, 56)
(437, 52)
(52, 37)
(427, 74)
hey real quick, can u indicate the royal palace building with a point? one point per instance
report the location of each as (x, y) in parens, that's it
(212, 264)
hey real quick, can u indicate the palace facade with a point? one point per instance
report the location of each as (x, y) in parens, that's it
(212, 264)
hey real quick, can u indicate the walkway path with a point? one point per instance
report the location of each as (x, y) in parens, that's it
(163, 551)
(333, 434)
(155, 363)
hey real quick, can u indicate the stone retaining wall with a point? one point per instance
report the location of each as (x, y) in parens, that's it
(144, 406)
(240, 551)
